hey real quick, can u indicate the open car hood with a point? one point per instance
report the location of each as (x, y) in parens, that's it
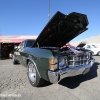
(81, 45)
(61, 29)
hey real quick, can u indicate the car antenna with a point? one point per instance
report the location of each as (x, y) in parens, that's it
(49, 9)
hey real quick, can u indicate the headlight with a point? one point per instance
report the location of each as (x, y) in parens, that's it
(53, 64)
(62, 62)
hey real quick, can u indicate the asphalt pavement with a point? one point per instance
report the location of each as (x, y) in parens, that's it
(14, 85)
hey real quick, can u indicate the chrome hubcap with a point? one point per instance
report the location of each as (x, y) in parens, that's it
(32, 72)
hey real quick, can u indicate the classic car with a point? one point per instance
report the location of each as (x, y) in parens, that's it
(47, 59)
(91, 47)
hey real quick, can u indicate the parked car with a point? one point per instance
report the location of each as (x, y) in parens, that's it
(81, 47)
(92, 47)
(47, 59)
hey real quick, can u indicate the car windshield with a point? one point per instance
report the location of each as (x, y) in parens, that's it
(94, 46)
(30, 43)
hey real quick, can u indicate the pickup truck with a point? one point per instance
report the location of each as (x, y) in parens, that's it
(46, 59)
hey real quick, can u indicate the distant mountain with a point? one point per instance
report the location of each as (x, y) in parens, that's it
(93, 39)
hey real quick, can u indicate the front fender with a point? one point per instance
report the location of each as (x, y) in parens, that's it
(41, 59)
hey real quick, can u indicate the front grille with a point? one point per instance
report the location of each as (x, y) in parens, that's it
(75, 60)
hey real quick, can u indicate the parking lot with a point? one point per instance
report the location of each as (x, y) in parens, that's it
(14, 85)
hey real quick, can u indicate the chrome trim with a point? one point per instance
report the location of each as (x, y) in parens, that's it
(55, 76)
(78, 60)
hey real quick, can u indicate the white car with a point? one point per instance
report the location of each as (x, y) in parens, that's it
(94, 48)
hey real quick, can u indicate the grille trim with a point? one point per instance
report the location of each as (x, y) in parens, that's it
(77, 60)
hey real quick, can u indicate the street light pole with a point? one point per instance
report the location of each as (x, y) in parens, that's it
(49, 9)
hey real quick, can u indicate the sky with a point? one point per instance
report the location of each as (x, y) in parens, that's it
(29, 17)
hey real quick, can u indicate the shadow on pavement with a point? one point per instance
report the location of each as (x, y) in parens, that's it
(73, 82)
(45, 84)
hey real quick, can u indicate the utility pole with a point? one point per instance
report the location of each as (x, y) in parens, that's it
(49, 9)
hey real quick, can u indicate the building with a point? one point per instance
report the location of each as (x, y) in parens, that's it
(7, 44)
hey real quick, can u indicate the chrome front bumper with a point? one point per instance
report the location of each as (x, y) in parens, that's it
(56, 76)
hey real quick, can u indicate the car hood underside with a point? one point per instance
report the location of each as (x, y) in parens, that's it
(61, 29)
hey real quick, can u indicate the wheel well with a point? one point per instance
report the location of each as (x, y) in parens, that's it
(98, 52)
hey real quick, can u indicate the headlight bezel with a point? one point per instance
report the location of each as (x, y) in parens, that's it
(58, 63)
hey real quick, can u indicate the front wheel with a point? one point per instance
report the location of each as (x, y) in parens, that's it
(98, 53)
(33, 75)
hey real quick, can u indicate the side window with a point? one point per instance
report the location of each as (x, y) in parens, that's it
(29, 43)
(94, 46)
(21, 45)
(88, 46)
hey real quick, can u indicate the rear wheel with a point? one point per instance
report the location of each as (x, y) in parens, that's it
(33, 75)
(13, 60)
